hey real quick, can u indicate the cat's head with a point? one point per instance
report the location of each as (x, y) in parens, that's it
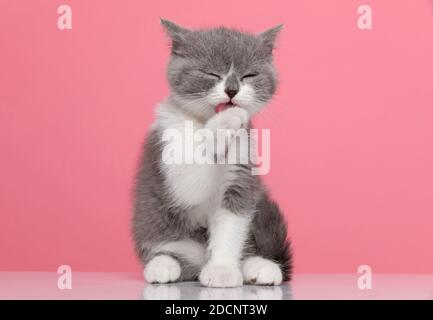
(214, 69)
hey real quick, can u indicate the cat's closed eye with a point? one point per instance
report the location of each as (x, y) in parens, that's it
(211, 74)
(248, 75)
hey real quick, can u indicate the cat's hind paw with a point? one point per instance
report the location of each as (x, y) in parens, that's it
(259, 271)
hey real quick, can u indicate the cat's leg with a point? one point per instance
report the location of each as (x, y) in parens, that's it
(228, 227)
(175, 261)
(227, 235)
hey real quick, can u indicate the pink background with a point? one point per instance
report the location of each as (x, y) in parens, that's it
(351, 128)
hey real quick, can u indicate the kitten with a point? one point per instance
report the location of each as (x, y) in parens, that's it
(212, 222)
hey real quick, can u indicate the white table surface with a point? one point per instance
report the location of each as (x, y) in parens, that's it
(96, 285)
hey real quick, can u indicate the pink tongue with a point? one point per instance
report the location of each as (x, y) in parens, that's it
(222, 107)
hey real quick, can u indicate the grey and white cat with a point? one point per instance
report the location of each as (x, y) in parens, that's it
(212, 222)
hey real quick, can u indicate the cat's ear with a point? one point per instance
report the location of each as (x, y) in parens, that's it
(177, 35)
(269, 37)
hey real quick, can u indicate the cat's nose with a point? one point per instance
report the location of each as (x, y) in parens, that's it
(231, 92)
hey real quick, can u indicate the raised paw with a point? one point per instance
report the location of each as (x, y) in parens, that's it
(225, 126)
(162, 269)
(260, 271)
(237, 117)
(233, 118)
(221, 276)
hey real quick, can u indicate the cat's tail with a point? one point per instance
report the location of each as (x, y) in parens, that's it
(269, 233)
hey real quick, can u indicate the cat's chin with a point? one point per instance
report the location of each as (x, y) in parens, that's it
(224, 106)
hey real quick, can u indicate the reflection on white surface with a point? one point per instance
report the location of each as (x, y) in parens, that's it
(93, 285)
(194, 291)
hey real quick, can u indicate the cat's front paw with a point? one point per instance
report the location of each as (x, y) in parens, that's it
(162, 269)
(260, 271)
(233, 118)
(225, 126)
(221, 276)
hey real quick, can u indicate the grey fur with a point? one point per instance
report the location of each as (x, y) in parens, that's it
(157, 219)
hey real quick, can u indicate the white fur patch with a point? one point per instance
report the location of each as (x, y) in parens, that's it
(191, 184)
(217, 94)
(183, 179)
(190, 250)
(245, 98)
(228, 232)
(260, 271)
(162, 269)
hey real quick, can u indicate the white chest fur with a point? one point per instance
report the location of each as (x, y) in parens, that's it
(199, 186)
